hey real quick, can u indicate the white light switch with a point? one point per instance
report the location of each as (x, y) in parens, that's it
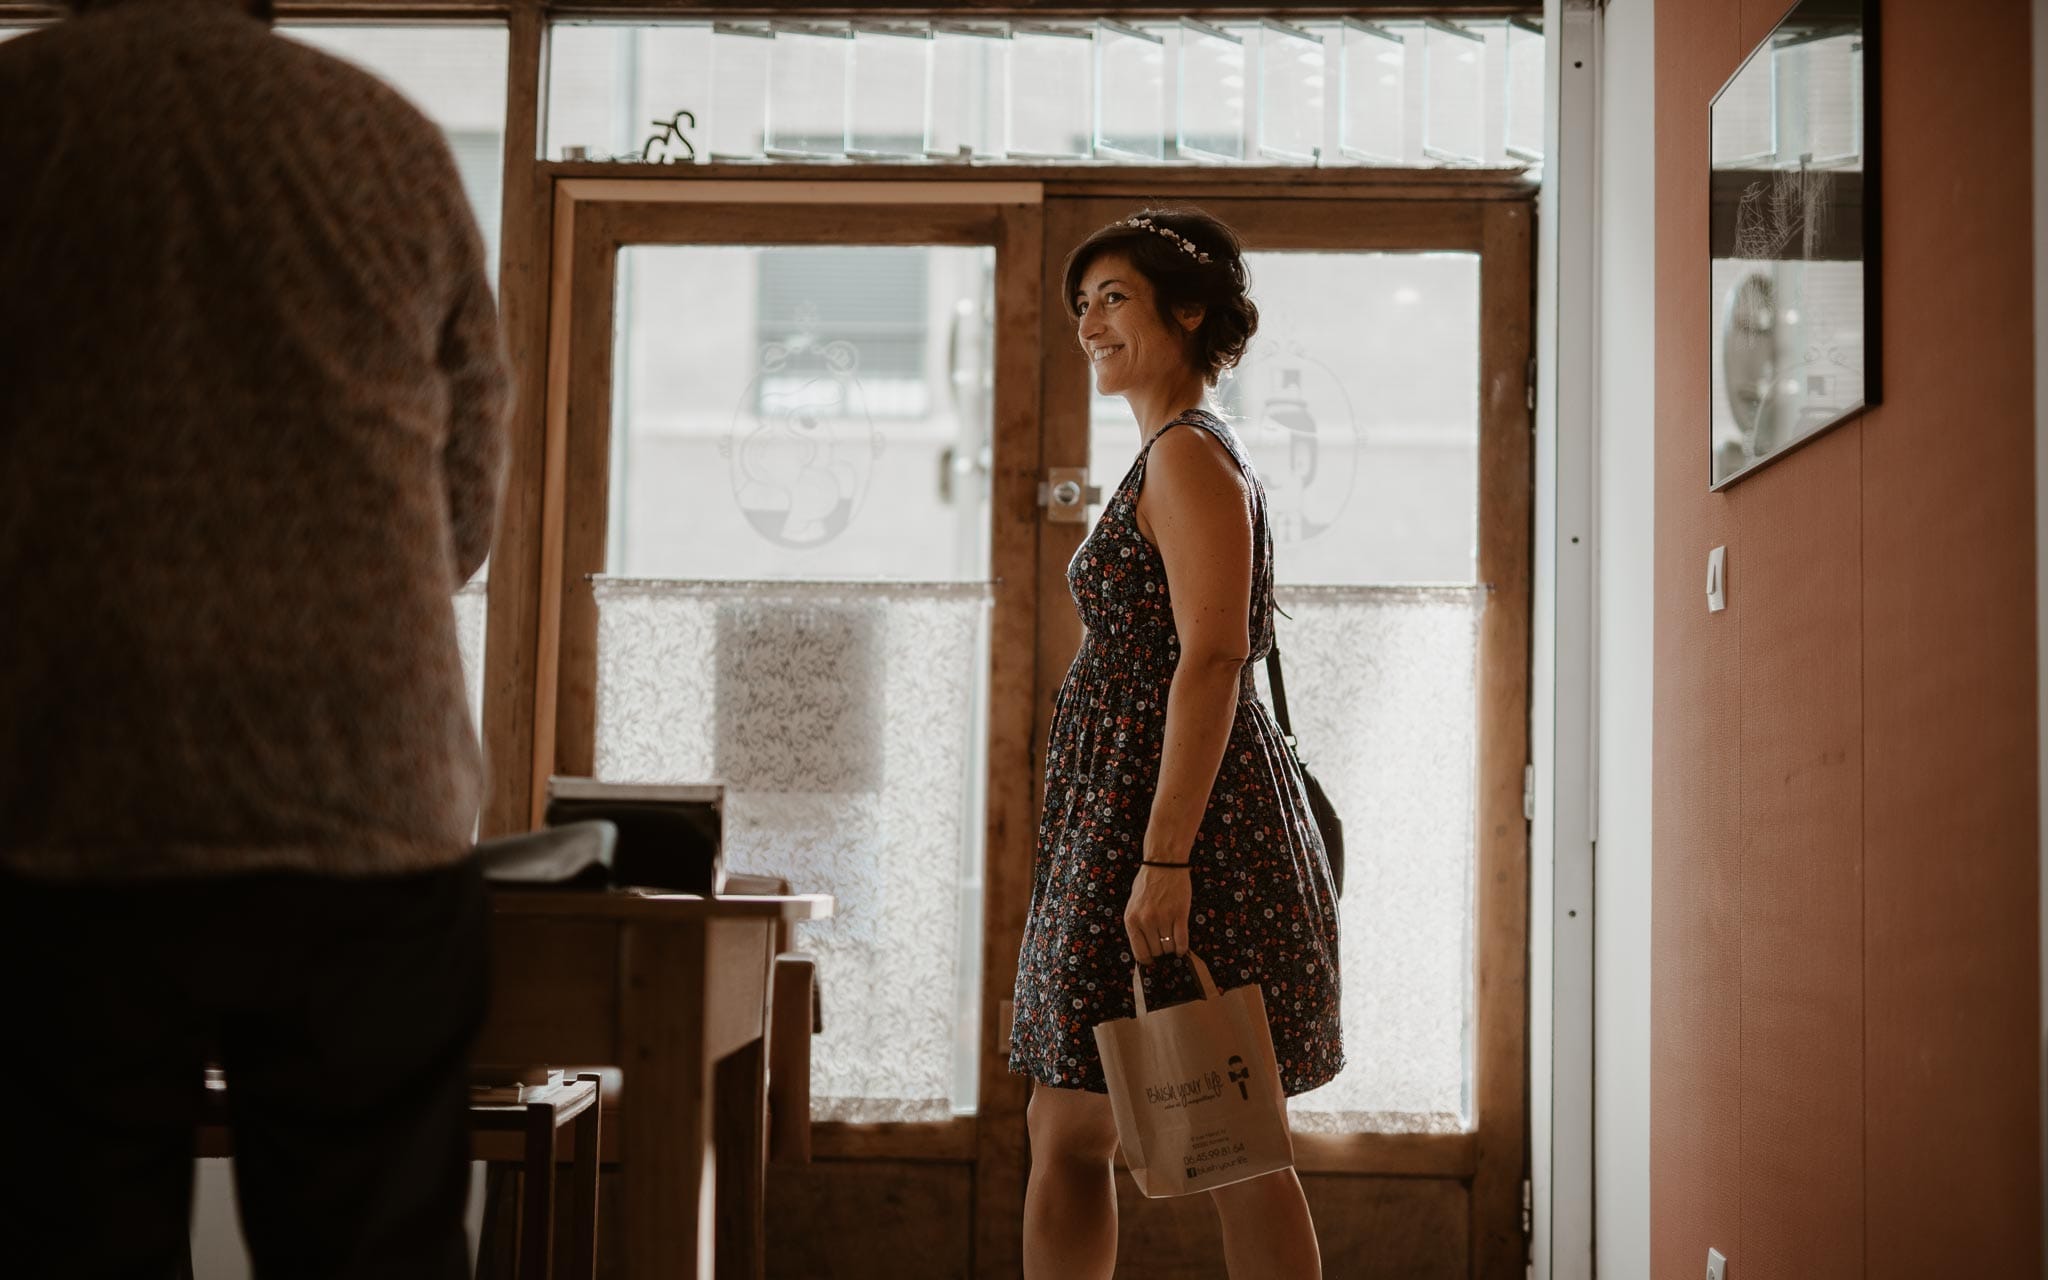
(1717, 582)
(1717, 1266)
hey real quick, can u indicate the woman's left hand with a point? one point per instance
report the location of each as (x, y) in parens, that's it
(1156, 920)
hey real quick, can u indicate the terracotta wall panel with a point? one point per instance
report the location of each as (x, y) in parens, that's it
(1801, 749)
(1950, 821)
(1757, 17)
(1845, 889)
(1695, 818)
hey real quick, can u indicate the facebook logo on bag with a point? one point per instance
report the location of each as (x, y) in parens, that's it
(1240, 1073)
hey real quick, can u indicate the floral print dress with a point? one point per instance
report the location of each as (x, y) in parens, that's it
(1264, 910)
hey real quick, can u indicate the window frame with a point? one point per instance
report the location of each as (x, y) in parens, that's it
(596, 208)
(1495, 221)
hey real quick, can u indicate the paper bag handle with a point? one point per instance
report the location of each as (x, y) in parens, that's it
(1209, 991)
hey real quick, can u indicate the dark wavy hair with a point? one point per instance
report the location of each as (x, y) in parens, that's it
(1221, 286)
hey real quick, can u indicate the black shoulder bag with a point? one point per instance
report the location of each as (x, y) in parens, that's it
(1319, 806)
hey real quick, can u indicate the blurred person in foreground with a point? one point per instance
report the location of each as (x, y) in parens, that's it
(251, 441)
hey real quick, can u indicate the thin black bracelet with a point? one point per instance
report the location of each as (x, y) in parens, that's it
(1150, 863)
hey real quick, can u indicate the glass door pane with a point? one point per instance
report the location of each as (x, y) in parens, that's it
(1359, 401)
(798, 606)
(1359, 404)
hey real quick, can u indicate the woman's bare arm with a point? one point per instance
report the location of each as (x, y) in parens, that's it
(1196, 508)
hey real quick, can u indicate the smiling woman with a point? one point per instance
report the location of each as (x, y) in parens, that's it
(1175, 821)
(1204, 290)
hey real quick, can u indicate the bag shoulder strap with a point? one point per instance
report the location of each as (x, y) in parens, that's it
(1279, 683)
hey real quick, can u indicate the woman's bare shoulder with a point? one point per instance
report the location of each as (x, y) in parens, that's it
(1190, 460)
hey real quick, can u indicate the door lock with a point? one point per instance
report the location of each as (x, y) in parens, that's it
(1066, 495)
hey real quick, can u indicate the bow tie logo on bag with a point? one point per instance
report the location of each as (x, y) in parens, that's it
(1239, 1074)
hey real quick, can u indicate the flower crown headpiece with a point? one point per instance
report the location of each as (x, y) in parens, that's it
(1187, 246)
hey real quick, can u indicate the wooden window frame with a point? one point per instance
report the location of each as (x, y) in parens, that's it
(592, 218)
(593, 208)
(25, 11)
(1495, 221)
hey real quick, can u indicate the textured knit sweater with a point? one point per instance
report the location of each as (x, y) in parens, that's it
(252, 401)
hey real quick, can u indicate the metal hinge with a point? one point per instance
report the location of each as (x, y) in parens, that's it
(1528, 793)
(1066, 495)
(1528, 1215)
(1531, 385)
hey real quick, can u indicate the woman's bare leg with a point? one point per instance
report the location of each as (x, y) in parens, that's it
(1267, 1233)
(1070, 1200)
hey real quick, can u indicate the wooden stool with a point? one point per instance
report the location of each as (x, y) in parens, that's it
(522, 1134)
(533, 1128)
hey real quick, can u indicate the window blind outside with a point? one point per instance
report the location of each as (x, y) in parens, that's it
(479, 159)
(1317, 91)
(872, 300)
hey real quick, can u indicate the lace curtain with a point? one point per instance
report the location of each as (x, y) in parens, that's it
(846, 721)
(1383, 688)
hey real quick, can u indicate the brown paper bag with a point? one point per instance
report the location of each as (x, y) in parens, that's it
(1196, 1090)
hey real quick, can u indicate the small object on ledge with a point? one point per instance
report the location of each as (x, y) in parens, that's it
(669, 134)
(740, 884)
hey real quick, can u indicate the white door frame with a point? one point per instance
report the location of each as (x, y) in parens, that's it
(1564, 684)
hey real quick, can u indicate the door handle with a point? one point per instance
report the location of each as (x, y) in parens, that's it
(1066, 495)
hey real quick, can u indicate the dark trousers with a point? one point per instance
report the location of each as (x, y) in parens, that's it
(342, 1011)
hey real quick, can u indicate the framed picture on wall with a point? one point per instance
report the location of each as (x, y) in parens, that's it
(1793, 237)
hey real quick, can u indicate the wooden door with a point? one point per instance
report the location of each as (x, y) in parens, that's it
(759, 434)
(1447, 1201)
(938, 1191)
